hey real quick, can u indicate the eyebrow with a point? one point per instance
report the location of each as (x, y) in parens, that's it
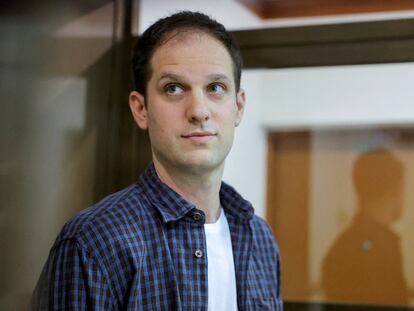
(172, 76)
(168, 75)
(218, 76)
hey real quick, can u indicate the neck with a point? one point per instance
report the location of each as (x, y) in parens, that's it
(200, 188)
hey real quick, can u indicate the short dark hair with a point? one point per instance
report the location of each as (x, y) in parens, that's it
(158, 32)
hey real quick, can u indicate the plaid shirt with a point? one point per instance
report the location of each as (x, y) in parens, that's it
(144, 248)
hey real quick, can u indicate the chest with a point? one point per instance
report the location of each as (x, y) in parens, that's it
(173, 274)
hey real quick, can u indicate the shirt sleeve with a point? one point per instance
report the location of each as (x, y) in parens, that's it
(71, 280)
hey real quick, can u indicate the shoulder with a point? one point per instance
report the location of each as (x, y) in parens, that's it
(239, 208)
(103, 242)
(261, 226)
(112, 222)
(263, 234)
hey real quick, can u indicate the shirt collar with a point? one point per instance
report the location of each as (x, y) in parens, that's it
(173, 207)
(234, 205)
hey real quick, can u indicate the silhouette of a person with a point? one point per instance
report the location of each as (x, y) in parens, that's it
(364, 264)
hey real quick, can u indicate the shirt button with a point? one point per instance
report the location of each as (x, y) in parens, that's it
(198, 253)
(197, 215)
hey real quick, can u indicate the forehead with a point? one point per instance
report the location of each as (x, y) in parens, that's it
(189, 47)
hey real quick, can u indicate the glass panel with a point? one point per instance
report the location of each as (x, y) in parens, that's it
(341, 207)
(55, 78)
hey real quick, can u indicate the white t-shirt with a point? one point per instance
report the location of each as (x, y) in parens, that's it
(222, 293)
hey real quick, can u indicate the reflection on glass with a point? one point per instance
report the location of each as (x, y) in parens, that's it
(364, 265)
(341, 206)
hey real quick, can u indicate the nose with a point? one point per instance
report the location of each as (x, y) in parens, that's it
(197, 109)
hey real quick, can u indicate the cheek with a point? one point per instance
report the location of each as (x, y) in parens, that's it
(228, 117)
(162, 123)
(228, 127)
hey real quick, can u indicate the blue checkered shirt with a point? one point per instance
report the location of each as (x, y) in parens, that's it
(144, 248)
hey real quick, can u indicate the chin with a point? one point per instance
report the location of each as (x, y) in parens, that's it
(202, 164)
(194, 161)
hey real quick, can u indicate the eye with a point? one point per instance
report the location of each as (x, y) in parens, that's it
(173, 89)
(216, 88)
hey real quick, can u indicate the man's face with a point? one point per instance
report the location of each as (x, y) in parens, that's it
(191, 107)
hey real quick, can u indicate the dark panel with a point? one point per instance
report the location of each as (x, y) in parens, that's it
(341, 44)
(123, 150)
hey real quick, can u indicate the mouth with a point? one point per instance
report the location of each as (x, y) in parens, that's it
(199, 137)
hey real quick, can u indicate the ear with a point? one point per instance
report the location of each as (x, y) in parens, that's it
(138, 109)
(240, 102)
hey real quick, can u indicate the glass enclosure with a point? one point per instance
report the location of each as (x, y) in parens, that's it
(342, 207)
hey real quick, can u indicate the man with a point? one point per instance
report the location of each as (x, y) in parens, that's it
(180, 238)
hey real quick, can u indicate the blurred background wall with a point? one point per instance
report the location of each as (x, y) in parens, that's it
(64, 120)
(67, 139)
